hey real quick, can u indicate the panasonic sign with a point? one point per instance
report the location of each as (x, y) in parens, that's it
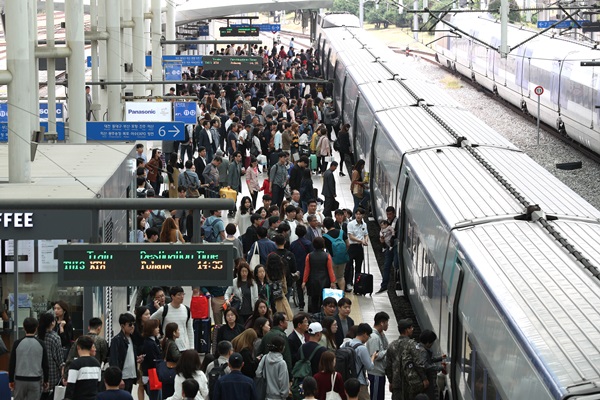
(148, 112)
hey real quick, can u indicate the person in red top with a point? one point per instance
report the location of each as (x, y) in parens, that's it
(327, 374)
(318, 274)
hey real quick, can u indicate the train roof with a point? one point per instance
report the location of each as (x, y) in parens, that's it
(539, 186)
(370, 72)
(383, 95)
(545, 295)
(461, 190)
(331, 20)
(431, 93)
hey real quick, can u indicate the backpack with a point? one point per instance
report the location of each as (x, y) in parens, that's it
(214, 375)
(157, 220)
(345, 361)
(301, 370)
(339, 253)
(210, 233)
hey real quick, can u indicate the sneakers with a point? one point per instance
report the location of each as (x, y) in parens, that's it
(342, 174)
(301, 308)
(349, 288)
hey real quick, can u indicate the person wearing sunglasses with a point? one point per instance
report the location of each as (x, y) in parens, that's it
(123, 353)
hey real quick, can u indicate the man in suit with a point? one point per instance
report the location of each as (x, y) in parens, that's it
(343, 320)
(200, 164)
(328, 190)
(298, 336)
(205, 140)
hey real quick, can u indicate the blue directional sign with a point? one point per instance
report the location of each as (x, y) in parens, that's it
(173, 72)
(203, 30)
(562, 25)
(193, 46)
(130, 131)
(261, 27)
(185, 61)
(43, 111)
(60, 130)
(185, 112)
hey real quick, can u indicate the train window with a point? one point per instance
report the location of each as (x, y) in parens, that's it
(476, 374)
(409, 237)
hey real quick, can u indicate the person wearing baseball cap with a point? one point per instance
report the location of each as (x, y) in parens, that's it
(234, 385)
(312, 350)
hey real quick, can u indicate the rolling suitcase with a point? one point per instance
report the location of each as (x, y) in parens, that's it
(202, 329)
(228, 193)
(313, 162)
(364, 281)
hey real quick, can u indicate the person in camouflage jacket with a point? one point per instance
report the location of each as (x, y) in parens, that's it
(404, 367)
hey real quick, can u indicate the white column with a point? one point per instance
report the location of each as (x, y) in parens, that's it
(127, 39)
(503, 28)
(19, 108)
(415, 20)
(76, 69)
(361, 12)
(102, 62)
(139, 55)
(51, 73)
(34, 95)
(113, 50)
(157, 74)
(171, 49)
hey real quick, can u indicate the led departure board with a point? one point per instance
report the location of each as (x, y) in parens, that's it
(149, 264)
(228, 63)
(236, 31)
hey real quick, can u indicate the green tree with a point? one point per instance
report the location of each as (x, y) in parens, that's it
(514, 15)
(350, 6)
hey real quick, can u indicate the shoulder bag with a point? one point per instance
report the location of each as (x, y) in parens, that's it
(332, 394)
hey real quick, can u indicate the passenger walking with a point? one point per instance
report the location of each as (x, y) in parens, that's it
(378, 342)
(278, 177)
(364, 359)
(235, 385)
(123, 354)
(391, 253)
(343, 319)
(54, 350)
(431, 364)
(84, 373)
(275, 369)
(328, 190)
(323, 149)
(151, 351)
(179, 313)
(336, 244)
(244, 291)
(189, 367)
(359, 187)
(343, 140)
(318, 274)
(328, 379)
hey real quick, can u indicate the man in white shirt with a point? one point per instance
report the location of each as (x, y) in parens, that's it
(298, 336)
(358, 236)
(290, 219)
(180, 314)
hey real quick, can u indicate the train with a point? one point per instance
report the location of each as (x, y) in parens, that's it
(497, 256)
(551, 61)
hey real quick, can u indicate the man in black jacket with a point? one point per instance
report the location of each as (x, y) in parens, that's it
(123, 353)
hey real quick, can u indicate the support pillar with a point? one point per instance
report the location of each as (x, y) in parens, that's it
(139, 55)
(19, 65)
(171, 49)
(51, 63)
(156, 32)
(76, 69)
(113, 50)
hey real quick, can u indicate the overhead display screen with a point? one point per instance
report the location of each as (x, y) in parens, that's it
(236, 31)
(228, 63)
(145, 264)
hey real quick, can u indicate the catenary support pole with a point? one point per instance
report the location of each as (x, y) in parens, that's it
(156, 30)
(76, 69)
(51, 66)
(139, 56)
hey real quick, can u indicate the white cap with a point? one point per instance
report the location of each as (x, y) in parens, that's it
(314, 328)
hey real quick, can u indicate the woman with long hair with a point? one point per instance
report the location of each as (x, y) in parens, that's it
(330, 328)
(244, 344)
(261, 326)
(244, 288)
(173, 170)
(262, 284)
(242, 216)
(171, 355)
(261, 309)
(323, 150)
(274, 369)
(138, 235)
(151, 349)
(63, 326)
(252, 182)
(54, 350)
(190, 367)
(328, 378)
(359, 187)
(170, 232)
(142, 314)
(155, 167)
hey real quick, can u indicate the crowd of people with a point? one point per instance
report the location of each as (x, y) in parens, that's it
(322, 356)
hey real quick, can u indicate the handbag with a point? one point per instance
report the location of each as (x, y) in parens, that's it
(153, 381)
(332, 395)
(277, 290)
(191, 190)
(59, 392)
(166, 369)
(262, 159)
(255, 259)
(261, 384)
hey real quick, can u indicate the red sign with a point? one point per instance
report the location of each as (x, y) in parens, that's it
(538, 90)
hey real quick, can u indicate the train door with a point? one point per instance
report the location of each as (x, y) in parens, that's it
(373, 174)
(454, 335)
(322, 53)
(402, 231)
(354, 129)
(328, 63)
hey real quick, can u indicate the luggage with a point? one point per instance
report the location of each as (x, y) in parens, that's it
(228, 193)
(202, 333)
(313, 162)
(4, 388)
(364, 281)
(262, 159)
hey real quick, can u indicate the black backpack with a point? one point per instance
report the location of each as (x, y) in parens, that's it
(157, 220)
(214, 375)
(345, 361)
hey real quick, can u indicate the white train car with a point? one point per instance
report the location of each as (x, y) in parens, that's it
(512, 305)
(571, 91)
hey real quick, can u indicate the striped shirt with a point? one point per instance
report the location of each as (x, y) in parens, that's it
(83, 379)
